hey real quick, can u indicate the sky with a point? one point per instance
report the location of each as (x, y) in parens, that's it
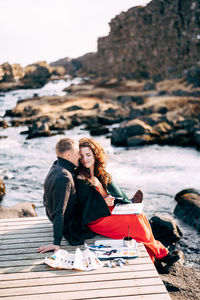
(35, 30)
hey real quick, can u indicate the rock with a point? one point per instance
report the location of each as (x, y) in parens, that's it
(3, 124)
(141, 140)
(36, 75)
(165, 229)
(180, 137)
(23, 209)
(163, 128)
(38, 129)
(193, 76)
(187, 124)
(186, 93)
(3, 136)
(149, 86)
(99, 130)
(74, 107)
(197, 138)
(2, 189)
(188, 207)
(136, 113)
(61, 124)
(6, 73)
(127, 98)
(129, 129)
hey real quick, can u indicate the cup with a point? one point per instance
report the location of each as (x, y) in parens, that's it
(127, 241)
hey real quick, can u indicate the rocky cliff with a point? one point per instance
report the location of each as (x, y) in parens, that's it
(160, 40)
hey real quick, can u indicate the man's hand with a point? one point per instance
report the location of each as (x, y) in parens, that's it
(47, 248)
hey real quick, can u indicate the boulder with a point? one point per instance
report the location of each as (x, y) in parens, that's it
(165, 229)
(129, 129)
(6, 73)
(188, 207)
(2, 188)
(197, 138)
(36, 75)
(128, 98)
(38, 129)
(23, 209)
(3, 124)
(149, 86)
(141, 140)
(193, 76)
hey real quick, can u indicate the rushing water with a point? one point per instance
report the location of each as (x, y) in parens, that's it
(160, 172)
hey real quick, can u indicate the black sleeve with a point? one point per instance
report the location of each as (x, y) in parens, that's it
(61, 194)
(91, 204)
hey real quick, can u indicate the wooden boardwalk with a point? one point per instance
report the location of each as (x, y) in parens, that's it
(23, 275)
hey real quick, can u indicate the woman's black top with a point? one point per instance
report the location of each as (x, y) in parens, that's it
(90, 207)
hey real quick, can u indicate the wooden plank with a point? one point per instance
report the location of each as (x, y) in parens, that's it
(79, 278)
(48, 272)
(36, 255)
(87, 285)
(11, 220)
(63, 296)
(26, 231)
(32, 262)
(36, 267)
(28, 222)
(13, 228)
(92, 294)
(141, 297)
(18, 251)
(27, 234)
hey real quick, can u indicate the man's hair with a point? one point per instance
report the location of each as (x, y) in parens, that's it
(65, 144)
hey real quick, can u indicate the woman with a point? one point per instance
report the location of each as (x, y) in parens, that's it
(96, 194)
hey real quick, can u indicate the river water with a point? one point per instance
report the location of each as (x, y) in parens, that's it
(159, 171)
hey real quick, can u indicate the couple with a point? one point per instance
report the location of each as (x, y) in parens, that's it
(79, 197)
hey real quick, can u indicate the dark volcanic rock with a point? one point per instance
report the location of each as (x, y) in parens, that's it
(188, 207)
(197, 138)
(38, 129)
(149, 86)
(126, 98)
(3, 124)
(2, 189)
(165, 229)
(193, 76)
(127, 130)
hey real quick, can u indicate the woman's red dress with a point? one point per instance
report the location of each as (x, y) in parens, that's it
(117, 227)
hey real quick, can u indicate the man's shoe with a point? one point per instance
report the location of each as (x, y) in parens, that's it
(138, 197)
(169, 259)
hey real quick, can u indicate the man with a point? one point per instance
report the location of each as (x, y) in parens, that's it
(59, 191)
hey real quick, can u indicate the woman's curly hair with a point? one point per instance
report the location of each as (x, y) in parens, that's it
(100, 162)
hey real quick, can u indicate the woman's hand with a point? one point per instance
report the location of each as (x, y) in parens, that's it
(109, 200)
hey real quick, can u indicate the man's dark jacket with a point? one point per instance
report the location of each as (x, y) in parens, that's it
(60, 197)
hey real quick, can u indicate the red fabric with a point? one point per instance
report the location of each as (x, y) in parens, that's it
(116, 227)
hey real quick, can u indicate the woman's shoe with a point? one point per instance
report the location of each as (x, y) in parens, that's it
(138, 197)
(169, 259)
